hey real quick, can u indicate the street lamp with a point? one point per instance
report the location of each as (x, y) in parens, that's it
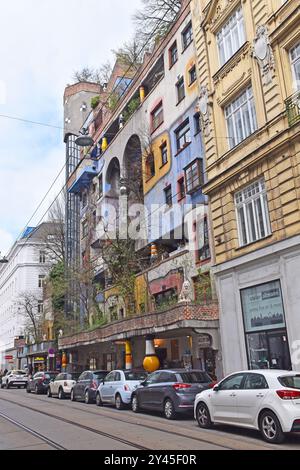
(84, 140)
(3, 260)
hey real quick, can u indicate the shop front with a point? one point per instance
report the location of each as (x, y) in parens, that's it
(183, 337)
(259, 322)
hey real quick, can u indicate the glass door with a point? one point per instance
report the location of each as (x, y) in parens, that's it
(279, 350)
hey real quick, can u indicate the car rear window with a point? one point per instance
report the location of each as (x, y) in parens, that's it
(50, 376)
(73, 376)
(195, 377)
(290, 381)
(100, 375)
(138, 376)
(19, 372)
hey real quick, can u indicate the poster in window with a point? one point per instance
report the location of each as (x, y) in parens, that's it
(263, 307)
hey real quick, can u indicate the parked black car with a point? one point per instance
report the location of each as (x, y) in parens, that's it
(171, 391)
(86, 387)
(39, 383)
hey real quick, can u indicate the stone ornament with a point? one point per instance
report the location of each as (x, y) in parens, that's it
(186, 293)
(262, 52)
(203, 107)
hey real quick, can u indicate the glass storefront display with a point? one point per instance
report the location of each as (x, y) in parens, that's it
(265, 327)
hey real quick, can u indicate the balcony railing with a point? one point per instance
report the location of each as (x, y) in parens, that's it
(293, 108)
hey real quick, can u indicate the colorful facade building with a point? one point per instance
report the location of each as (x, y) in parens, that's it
(148, 152)
(248, 65)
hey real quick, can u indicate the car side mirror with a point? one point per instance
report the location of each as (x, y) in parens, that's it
(216, 388)
(144, 383)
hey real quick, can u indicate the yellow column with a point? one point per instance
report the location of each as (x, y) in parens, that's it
(128, 355)
(142, 93)
(104, 144)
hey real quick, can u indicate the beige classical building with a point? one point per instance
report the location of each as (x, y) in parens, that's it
(249, 101)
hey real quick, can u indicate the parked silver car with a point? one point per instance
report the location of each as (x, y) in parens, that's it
(117, 388)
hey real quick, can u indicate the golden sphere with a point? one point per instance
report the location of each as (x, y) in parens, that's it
(151, 364)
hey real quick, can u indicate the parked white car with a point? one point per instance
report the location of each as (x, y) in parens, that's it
(15, 378)
(118, 386)
(266, 400)
(62, 385)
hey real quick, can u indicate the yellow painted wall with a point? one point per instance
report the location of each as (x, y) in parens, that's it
(273, 152)
(159, 170)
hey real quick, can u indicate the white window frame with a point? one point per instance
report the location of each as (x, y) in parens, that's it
(294, 61)
(234, 112)
(231, 36)
(247, 203)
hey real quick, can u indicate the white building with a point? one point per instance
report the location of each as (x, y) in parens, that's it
(25, 273)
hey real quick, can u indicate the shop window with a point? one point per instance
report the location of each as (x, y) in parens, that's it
(175, 350)
(265, 327)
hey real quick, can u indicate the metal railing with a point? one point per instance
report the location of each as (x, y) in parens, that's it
(293, 108)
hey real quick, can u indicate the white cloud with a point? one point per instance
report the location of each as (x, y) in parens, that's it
(6, 240)
(42, 44)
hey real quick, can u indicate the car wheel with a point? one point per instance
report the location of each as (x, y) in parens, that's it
(203, 416)
(135, 404)
(61, 394)
(119, 403)
(28, 389)
(49, 394)
(87, 398)
(99, 402)
(36, 389)
(7, 385)
(270, 428)
(73, 395)
(169, 410)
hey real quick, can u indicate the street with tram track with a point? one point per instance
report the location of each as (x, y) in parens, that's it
(37, 422)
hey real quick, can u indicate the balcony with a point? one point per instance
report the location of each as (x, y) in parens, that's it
(293, 108)
(83, 180)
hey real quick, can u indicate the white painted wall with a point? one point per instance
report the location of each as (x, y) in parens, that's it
(20, 275)
(276, 262)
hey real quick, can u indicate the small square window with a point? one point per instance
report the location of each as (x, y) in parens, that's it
(168, 196)
(181, 189)
(183, 135)
(173, 54)
(192, 75)
(180, 90)
(164, 154)
(194, 176)
(157, 117)
(197, 125)
(187, 36)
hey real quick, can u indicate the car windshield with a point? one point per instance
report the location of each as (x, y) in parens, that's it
(19, 372)
(290, 381)
(135, 376)
(195, 377)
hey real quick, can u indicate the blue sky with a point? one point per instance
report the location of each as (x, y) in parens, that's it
(42, 44)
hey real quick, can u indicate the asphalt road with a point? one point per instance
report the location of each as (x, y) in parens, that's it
(37, 422)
